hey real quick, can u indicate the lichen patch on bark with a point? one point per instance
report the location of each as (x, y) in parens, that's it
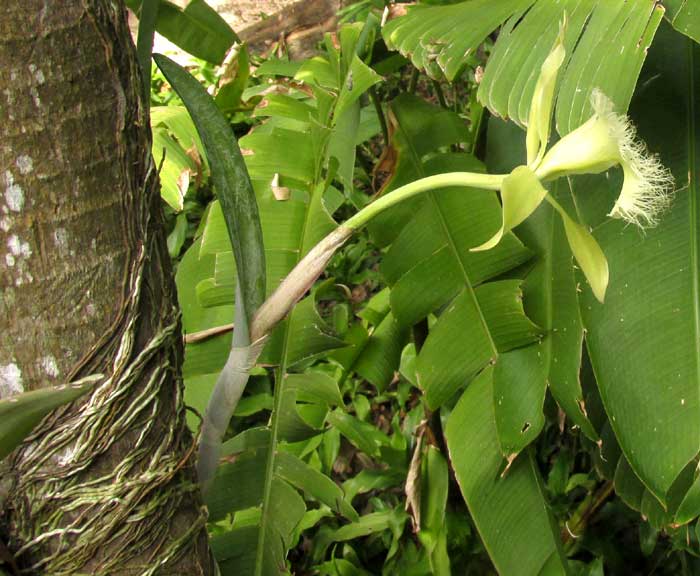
(48, 364)
(10, 380)
(24, 163)
(14, 195)
(37, 73)
(18, 247)
(60, 239)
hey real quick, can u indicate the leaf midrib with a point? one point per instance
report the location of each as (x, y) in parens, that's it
(693, 207)
(450, 242)
(467, 281)
(274, 426)
(281, 372)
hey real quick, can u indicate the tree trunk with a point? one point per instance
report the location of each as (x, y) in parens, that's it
(106, 485)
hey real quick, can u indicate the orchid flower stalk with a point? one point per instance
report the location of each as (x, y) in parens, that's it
(605, 140)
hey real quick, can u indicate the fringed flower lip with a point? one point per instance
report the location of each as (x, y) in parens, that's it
(606, 140)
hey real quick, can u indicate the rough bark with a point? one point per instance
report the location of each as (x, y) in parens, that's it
(105, 486)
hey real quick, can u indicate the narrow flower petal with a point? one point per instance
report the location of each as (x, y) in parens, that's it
(587, 253)
(540, 117)
(590, 149)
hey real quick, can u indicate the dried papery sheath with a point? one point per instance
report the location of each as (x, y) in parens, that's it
(297, 283)
(606, 140)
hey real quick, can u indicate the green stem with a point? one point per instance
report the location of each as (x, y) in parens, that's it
(440, 95)
(413, 83)
(380, 114)
(468, 179)
(307, 270)
(266, 519)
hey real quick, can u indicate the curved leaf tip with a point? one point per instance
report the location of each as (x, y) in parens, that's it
(231, 180)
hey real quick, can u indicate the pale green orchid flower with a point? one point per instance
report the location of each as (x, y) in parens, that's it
(606, 140)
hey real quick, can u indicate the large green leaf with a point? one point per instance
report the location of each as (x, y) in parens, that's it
(606, 42)
(19, 414)
(685, 17)
(644, 342)
(231, 180)
(509, 509)
(439, 38)
(431, 269)
(550, 299)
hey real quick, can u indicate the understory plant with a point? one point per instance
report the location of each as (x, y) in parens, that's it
(605, 140)
(451, 370)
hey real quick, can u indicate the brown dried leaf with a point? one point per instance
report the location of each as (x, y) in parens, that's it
(412, 488)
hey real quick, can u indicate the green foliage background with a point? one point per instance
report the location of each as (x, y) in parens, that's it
(426, 409)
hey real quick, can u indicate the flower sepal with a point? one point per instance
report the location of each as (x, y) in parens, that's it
(521, 194)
